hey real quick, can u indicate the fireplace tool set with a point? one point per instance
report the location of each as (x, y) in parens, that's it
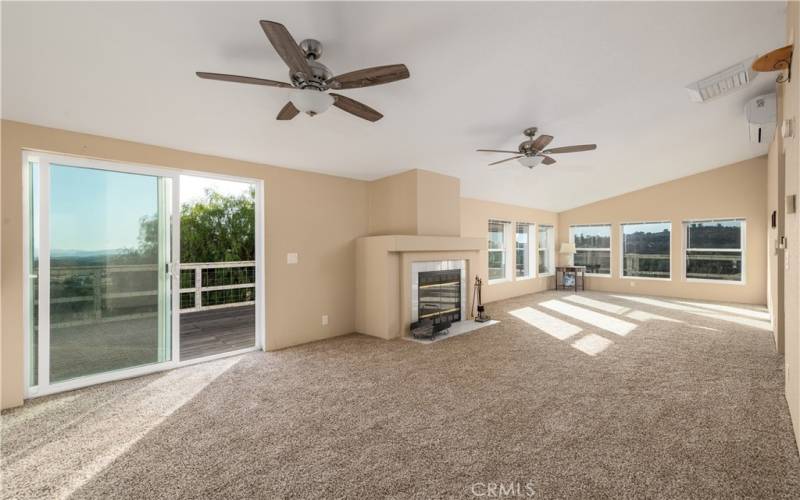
(481, 317)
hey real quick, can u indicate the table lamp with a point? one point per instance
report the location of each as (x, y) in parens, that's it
(568, 249)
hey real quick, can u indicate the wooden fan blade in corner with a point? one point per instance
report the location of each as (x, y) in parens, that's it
(369, 77)
(507, 159)
(355, 108)
(571, 149)
(287, 112)
(242, 79)
(541, 142)
(286, 47)
(547, 160)
(497, 151)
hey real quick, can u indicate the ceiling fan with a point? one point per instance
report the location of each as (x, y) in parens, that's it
(531, 151)
(311, 80)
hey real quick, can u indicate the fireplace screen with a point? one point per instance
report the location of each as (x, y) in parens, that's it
(440, 295)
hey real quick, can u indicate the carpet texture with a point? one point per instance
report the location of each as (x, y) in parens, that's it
(593, 395)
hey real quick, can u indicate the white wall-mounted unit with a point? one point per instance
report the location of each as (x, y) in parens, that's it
(761, 113)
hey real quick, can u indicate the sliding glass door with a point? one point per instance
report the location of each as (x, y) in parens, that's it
(100, 271)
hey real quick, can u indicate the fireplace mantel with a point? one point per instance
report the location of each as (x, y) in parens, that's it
(383, 276)
(410, 243)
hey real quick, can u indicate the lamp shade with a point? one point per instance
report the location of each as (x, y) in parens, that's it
(310, 101)
(567, 248)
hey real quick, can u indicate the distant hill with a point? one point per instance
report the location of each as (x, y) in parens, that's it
(82, 254)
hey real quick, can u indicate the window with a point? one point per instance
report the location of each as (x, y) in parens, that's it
(524, 269)
(498, 246)
(645, 250)
(715, 249)
(592, 248)
(547, 252)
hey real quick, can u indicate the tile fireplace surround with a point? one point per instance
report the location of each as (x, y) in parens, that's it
(384, 282)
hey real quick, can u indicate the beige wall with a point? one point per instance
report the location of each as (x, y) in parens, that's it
(475, 215)
(438, 204)
(774, 253)
(789, 105)
(416, 202)
(323, 282)
(393, 204)
(737, 190)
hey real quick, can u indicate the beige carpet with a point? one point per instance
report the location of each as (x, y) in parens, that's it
(588, 396)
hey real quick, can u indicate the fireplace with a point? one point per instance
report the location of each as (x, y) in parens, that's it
(438, 291)
(440, 295)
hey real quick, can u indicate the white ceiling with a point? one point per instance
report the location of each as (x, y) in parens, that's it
(609, 73)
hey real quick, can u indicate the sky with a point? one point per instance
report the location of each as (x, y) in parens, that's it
(100, 210)
(193, 188)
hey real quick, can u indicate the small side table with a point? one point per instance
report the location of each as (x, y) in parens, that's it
(564, 270)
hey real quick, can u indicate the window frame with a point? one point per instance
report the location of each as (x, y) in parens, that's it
(622, 251)
(508, 244)
(610, 247)
(742, 249)
(552, 249)
(532, 256)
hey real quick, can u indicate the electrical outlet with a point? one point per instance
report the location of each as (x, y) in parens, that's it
(324, 320)
(291, 258)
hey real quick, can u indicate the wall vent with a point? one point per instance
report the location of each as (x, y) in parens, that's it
(722, 83)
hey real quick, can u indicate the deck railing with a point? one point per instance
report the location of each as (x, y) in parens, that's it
(82, 295)
(217, 285)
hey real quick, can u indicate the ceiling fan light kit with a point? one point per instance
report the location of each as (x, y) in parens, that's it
(530, 161)
(311, 102)
(311, 80)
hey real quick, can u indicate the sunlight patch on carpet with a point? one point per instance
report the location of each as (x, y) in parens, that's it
(78, 452)
(733, 318)
(592, 344)
(598, 304)
(607, 323)
(550, 325)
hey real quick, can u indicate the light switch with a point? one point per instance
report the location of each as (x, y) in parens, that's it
(291, 258)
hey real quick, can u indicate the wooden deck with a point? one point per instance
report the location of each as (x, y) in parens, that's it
(204, 333)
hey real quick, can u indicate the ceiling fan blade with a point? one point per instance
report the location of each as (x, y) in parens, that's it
(547, 160)
(369, 77)
(242, 79)
(355, 108)
(541, 142)
(571, 149)
(507, 159)
(286, 47)
(287, 112)
(497, 151)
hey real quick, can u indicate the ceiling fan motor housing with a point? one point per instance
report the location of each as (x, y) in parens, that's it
(319, 72)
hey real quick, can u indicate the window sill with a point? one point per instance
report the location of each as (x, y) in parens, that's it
(715, 282)
(524, 278)
(645, 278)
(589, 275)
(499, 280)
(546, 275)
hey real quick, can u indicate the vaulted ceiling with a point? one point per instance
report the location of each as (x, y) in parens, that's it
(608, 73)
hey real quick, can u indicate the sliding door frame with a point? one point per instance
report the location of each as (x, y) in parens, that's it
(44, 158)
